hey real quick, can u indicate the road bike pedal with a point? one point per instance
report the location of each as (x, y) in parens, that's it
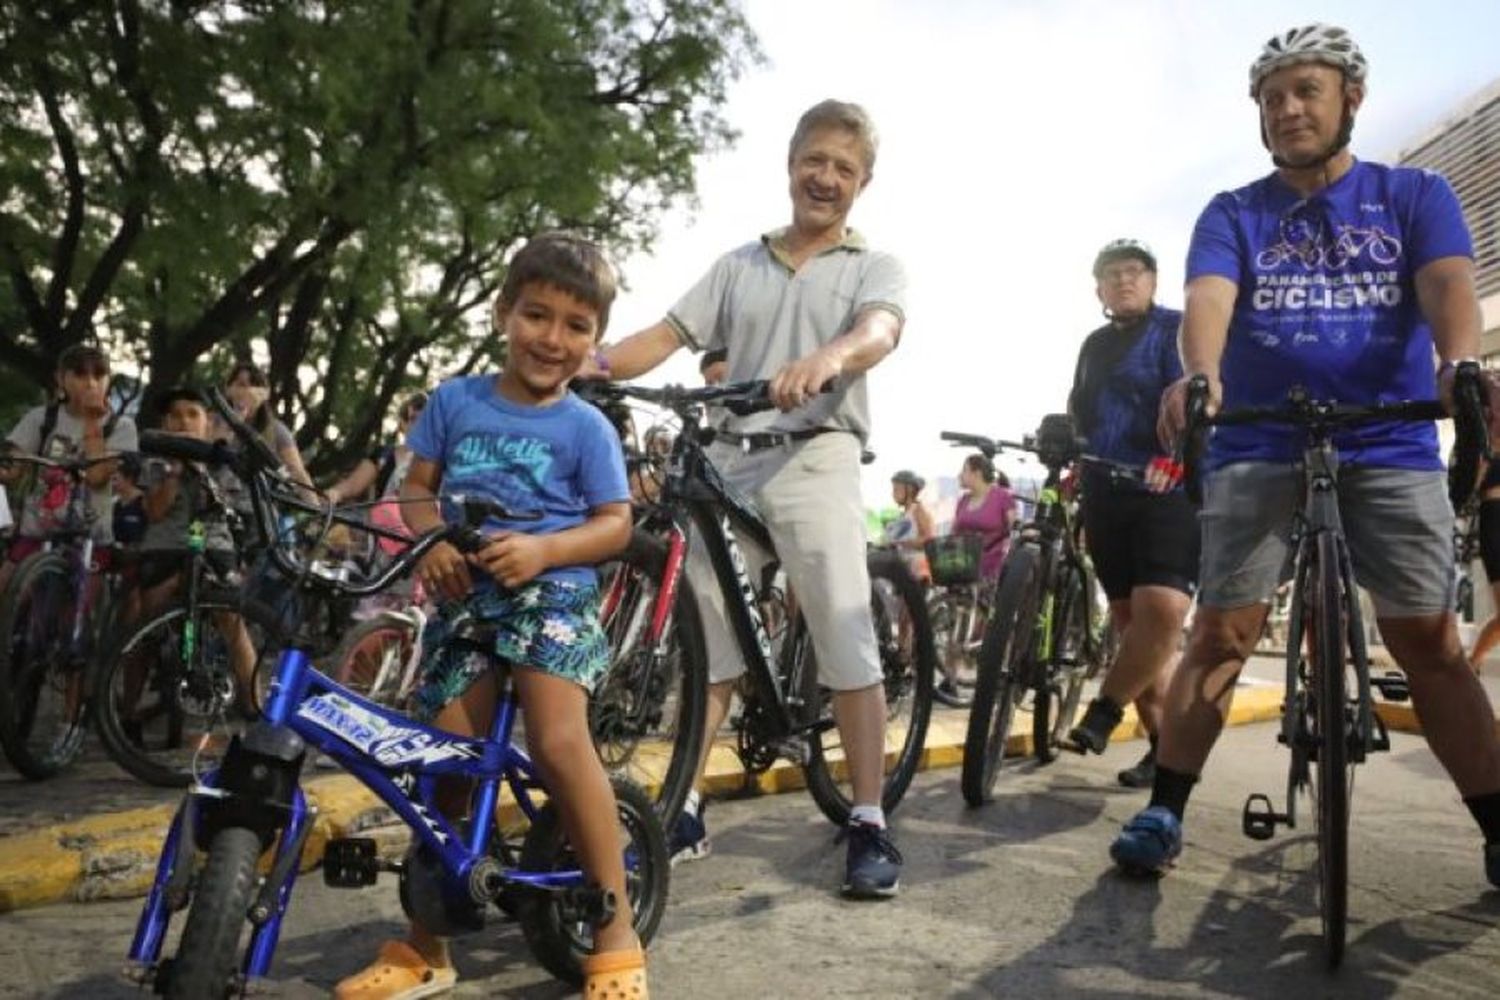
(1380, 738)
(1259, 818)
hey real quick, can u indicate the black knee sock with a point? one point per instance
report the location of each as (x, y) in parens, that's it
(1486, 810)
(1171, 789)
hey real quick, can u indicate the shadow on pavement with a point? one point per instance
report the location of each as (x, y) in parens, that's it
(1256, 937)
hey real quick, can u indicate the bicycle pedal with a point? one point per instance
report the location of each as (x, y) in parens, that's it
(351, 863)
(1392, 686)
(1259, 818)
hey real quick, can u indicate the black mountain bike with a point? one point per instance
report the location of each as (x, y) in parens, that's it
(786, 713)
(1043, 636)
(1328, 720)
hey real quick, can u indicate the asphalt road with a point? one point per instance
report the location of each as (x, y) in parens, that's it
(1016, 899)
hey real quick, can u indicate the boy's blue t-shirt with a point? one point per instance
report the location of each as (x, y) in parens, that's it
(1327, 300)
(561, 460)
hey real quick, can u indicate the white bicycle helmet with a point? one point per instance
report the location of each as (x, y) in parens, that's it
(1123, 249)
(1311, 43)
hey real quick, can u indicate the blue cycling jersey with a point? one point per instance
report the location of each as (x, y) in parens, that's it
(1118, 382)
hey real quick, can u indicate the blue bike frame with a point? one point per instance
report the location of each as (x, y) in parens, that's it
(397, 758)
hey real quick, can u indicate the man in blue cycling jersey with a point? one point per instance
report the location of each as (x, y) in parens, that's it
(1341, 276)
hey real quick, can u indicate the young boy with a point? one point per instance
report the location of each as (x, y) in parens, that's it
(523, 440)
(78, 423)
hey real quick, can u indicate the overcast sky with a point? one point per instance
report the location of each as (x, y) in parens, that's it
(1016, 138)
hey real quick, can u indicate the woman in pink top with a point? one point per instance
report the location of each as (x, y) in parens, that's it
(987, 507)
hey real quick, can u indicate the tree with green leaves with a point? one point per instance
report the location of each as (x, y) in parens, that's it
(331, 188)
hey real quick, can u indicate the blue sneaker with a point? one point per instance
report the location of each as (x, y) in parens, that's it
(1492, 863)
(1149, 843)
(873, 869)
(689, 840)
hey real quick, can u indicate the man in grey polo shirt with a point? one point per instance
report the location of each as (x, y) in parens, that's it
(801, 306)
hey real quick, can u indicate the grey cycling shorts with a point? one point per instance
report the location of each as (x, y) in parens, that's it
(1398, 522)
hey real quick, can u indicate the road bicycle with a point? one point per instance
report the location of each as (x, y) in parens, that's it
(55, 609)
(252, 805)
(1044, 637)
(1328, 720)
(785, 713)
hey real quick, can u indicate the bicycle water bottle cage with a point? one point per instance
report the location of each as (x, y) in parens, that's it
(1057, 440)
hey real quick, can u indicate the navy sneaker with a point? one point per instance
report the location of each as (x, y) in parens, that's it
(1492, 863)
(873, 869)
(689, 840)
(1149, 843)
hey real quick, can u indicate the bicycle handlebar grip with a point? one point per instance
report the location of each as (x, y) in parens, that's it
(1471, 437)
(187, 449)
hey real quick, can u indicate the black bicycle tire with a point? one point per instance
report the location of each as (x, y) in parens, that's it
(821, 784)
(206, 965)
(648, 554)
(13, 732)
(995, 686)
(544, 848)
(1333, 753)
(110, 725)
(1073, 602)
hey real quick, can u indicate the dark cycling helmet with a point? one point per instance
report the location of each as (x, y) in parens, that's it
(1311, 43)
(909, 478)
(1123, 249)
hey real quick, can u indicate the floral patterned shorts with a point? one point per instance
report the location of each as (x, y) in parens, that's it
(550, 625)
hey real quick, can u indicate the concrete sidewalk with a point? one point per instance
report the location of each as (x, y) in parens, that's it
(112, 854)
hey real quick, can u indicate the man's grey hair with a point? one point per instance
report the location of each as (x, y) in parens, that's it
(843, 114)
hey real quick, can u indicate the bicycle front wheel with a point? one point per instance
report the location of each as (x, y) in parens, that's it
(908, 658)
(1074, 661)
(174, 688)
(205, 962)
(1332, 737)
(647, 714)
(1009, 637)
(43, 703)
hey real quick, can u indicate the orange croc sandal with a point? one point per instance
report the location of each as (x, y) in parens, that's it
(398, 973)
(615, 975)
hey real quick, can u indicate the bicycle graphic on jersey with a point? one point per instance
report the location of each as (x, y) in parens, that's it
(1305, 243)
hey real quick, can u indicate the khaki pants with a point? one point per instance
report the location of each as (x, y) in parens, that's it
(809, 495)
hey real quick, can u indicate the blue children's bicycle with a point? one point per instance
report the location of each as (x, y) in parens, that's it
(253, 801)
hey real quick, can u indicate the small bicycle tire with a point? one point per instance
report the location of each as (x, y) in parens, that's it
(206, 966)
(559, 939)
(1004, 672)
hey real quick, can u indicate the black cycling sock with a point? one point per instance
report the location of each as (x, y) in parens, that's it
(1171, 789)
(1486, 810)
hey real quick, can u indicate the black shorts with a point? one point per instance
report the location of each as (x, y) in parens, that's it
(1489, 538)
(156, 567)
(1141, 539)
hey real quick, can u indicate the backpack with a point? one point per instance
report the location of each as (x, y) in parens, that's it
(49, 423)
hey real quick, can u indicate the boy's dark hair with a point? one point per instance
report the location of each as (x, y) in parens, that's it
(567, 262)
(178, 393)
(83, 357)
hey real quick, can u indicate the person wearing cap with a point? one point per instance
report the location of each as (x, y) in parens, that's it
(1345, 277)
(1143, 539)
(76, 423)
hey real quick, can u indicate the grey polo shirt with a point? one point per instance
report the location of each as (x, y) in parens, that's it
(753, 305)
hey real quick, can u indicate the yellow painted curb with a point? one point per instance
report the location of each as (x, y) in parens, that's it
(113, 855)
